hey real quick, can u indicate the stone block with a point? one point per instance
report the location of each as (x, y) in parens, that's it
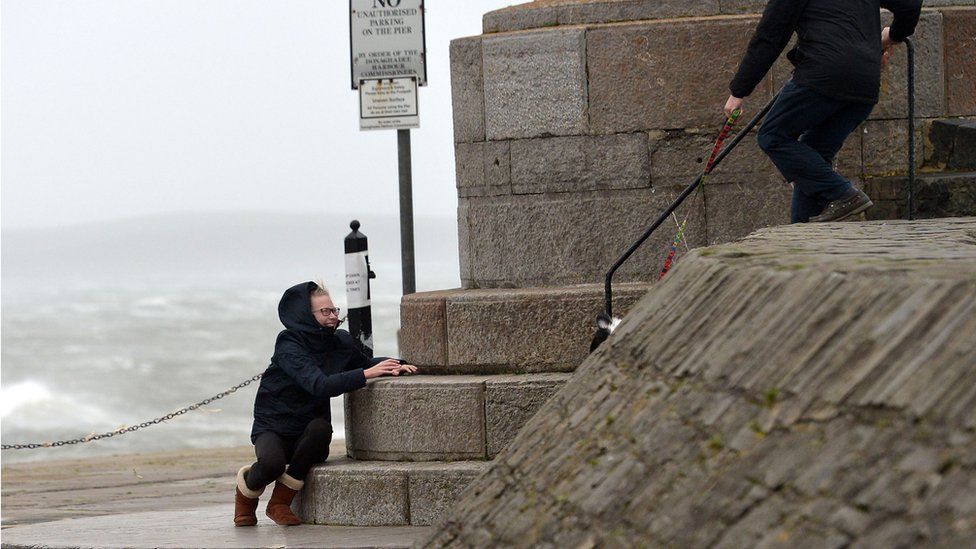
(950, 145)
(929, 73)
(535, 84)
(652, 75)
(885, 147)
(511, 401)
(527, 330)
(432, 492)
(423, 328)
(464, 243)
(337, 495)
(592, 229)
(565, 164)
(678, 156)
(417, 419)
(630, 10)
(735, 210)
(368, 493)
(467, 90)
(483, 169)
(936, 195)
(534, 15)
(737, 7)
(519, 17)
(959, 26)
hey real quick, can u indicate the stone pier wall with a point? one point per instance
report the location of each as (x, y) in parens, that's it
(577, 122)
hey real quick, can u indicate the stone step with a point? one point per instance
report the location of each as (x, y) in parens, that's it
(369, 493)
(444, 418)
(943, 194)
(951, 145)
(490, 331)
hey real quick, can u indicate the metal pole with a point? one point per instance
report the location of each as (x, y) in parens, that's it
(406, 213)
(910, 48)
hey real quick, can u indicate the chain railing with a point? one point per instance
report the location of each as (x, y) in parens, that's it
(124, 430)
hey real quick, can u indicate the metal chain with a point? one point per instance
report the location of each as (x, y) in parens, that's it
(124, 430)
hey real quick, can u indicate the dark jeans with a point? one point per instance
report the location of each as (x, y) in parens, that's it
(801, 135)
(299, 454)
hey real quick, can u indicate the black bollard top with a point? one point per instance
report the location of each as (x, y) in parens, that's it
(355, 241)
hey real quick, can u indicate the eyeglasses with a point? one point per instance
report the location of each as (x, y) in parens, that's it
(326, 311)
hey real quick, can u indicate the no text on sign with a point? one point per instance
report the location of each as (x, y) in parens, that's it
(387, 40)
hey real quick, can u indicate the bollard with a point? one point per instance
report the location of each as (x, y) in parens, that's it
(358, 274)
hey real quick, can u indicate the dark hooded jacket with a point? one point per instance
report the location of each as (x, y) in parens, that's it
(311, 364)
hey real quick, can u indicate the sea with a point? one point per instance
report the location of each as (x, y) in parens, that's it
(113, 324)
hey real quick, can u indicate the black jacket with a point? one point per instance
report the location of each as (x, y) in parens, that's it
(838, 49)
(310, 365)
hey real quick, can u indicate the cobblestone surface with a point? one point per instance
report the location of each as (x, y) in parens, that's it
(810, 385)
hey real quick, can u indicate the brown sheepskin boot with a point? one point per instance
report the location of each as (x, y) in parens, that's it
(245, 501)
(279, 506)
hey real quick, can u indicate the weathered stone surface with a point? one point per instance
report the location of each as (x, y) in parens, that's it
(354, 496)
(467, 89)
(936, 195)
(649, 75)
(368, 493)
(465, 252)
(570, 238)
(432, 492)
(735, 210)
(960, 63)
(678, 156)
(885, 147)
(811, 383)
(511, 401)
(417, 419)
(525, 330)
(566, 164)
(483, 169)
(548, 14)
(535, 84)
(483, 341)
(929, 73)
(442, 417)
(950, 145)
(423, 327)
(737, 7)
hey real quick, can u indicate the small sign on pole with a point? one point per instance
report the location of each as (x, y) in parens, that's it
(388, 104)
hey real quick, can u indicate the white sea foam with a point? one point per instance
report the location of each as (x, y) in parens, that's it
(32, 406)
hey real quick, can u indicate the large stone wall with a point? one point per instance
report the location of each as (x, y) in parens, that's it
(577, 122)
(808, 386)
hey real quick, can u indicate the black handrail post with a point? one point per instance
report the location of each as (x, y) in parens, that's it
(910, 49)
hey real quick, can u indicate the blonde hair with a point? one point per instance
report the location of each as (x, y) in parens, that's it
(320, 288)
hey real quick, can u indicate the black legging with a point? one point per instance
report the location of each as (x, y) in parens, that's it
(299, 454)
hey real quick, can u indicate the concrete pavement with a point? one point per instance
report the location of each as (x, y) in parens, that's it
(202, 527)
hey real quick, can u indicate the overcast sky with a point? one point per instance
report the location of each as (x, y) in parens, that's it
(122, 108)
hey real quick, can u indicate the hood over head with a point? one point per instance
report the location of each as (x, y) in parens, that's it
(295, 310)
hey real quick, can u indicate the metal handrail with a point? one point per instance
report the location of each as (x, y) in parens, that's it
(910, 47)
(608, 287)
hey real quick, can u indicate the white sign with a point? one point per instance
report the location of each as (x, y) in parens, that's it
(387, 40)
(388, 104)
(357, 280)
